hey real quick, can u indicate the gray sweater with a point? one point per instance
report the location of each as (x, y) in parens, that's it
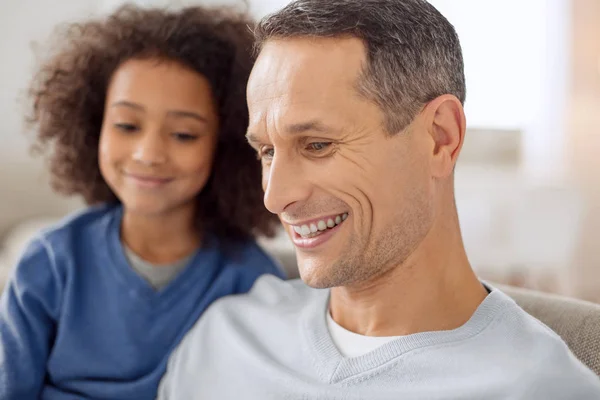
(273, 343)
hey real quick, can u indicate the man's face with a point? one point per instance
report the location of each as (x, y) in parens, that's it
(354, 200)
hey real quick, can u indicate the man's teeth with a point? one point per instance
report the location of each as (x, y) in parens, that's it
(309, 230)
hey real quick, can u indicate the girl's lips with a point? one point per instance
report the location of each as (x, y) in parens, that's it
(148, 181)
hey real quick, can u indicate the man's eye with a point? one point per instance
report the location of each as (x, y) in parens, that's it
(266, 153)
(318, 146)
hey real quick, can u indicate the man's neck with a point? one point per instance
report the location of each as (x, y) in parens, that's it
(161, 239)
(435, 289)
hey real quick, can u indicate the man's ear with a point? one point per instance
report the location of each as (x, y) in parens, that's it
(446, 124)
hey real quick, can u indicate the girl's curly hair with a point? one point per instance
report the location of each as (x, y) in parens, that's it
(68, 96)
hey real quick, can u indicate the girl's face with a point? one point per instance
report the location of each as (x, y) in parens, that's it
(158, 136)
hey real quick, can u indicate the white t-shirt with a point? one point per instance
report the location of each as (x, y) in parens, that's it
(352, 344)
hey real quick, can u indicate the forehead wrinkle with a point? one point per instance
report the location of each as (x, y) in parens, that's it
(287, 106)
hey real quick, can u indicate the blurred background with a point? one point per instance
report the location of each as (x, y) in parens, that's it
(528, 181)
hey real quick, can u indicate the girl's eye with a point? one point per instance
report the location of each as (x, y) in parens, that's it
(184, 137)
(127, 128)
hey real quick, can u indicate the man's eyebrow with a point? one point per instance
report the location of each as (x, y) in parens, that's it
(252, 138)
(295, 129)
(309, 126)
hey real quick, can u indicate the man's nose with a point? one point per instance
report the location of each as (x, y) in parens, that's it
(285, 183)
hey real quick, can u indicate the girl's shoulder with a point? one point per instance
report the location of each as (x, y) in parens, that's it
(57, 232)
(50, 253)
(90, 221)
(250, 255)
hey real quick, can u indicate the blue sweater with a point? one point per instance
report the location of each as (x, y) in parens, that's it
(77, 322)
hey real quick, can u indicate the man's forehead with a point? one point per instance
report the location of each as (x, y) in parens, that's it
(305, 66)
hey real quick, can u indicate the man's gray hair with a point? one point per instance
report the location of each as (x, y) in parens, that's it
(413, 52)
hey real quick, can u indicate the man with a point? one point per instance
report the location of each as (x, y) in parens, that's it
(356, 111)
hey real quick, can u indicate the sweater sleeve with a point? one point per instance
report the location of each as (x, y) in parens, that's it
(254, 263)
(558, 375)
(29, 309)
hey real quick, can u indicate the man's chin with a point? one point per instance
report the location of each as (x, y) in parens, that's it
(315, 274)
(314, 282)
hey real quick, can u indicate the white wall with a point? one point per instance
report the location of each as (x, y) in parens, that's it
(23, 188)
(516, 64)
(108, 5)
(22, 23)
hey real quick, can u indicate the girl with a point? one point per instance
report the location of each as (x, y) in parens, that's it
(143, 114)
